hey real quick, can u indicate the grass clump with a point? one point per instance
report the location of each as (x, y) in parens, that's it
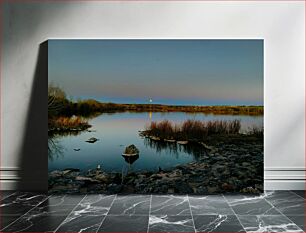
(68, 123)
(256, 131)
(191, 129)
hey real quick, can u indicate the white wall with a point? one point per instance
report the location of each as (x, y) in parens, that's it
(281, 25)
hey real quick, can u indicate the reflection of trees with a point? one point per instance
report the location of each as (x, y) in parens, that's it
(193, 149)
(91, 115)
(55, 149)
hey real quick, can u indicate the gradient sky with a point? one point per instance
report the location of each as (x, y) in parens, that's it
(191, 72)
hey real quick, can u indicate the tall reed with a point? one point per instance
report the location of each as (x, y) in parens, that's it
(68, 123)
(192, 129)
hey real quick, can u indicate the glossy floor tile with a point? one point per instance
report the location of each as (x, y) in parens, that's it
(170, 205)
(301, 193)
(7, 220)
(266, 223)
(20, 203)
(81, 223)
(210, 205)
(217, 223)
(287, 202)
(125, 223)
(95, 205)
(130, 205)
(5, 194)
(35, 223)
(251, 205)
(165, 223)
(278, 211)
(299, 220)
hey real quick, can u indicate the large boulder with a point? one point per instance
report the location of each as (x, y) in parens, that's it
(131, 150)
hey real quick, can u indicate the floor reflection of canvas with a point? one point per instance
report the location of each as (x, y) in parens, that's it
(155, 116)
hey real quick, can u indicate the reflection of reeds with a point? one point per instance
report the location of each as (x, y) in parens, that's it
(192, 129)
(160, 146)
(194, 149)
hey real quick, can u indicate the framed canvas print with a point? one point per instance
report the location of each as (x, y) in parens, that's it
(155, 116)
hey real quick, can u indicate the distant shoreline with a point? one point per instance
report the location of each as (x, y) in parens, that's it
(222, 110)
(61, 106)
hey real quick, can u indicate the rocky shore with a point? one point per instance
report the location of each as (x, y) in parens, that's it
(228, 164)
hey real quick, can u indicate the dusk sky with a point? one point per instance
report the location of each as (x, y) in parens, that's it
(181, 72)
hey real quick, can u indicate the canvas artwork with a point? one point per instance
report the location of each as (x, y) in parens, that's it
(155, 116)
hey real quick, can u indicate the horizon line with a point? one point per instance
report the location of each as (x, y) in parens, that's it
(165, 104)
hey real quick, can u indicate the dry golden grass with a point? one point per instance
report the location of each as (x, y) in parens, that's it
(68, 123)
(192, 129)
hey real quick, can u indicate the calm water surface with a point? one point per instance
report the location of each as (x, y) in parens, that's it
(115, 131)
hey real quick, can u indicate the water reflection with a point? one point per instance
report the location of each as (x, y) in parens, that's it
(55, 149)
(193, 149)
(53, 134)
(117, 130)
(130, 159)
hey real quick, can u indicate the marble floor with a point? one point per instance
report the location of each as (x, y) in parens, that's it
(273, 211)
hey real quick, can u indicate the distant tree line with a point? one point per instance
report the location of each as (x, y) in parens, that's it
(61, 106)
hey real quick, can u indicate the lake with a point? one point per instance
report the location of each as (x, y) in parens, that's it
(117, 130)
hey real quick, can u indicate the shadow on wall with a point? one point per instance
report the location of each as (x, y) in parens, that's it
(34, 159)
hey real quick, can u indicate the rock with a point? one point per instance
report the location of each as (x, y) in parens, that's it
(227, 187)
(55, 174)
(209, 148)
(249, 190)
(182, 187)
(86, 179)
(154, 138)
(169, 140)
(131, 150)
(182, 142)
(114, 188)
(171, 190)
(64, 188)
(200, 190)
(117, 178)
(76, 149)
(92, 140)
(71, 172)
(219, 168)
(259, 187)
(102, 177)
(212, 189)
